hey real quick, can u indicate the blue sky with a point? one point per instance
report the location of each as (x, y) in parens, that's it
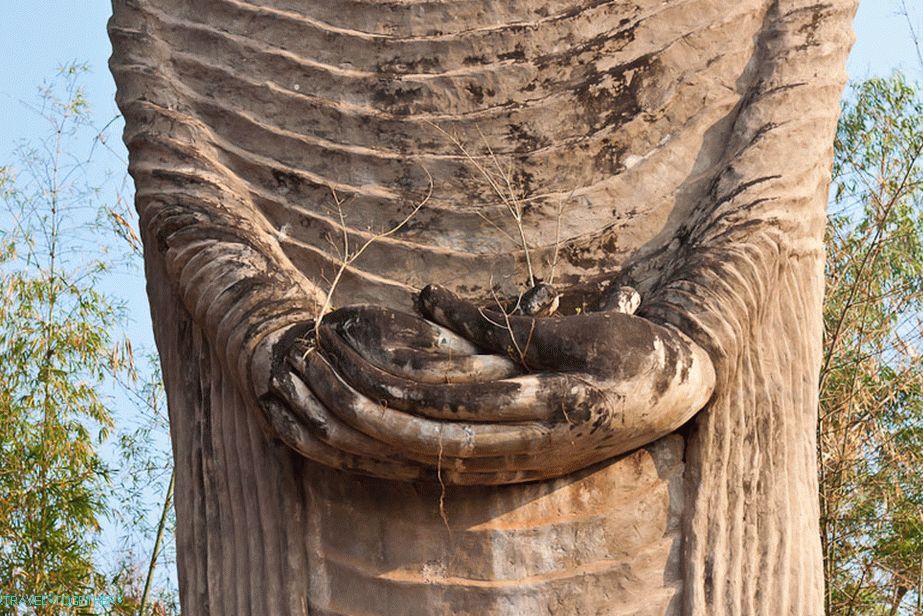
(883, 41)
(37, 37)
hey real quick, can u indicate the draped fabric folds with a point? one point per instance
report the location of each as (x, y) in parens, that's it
(683, 145)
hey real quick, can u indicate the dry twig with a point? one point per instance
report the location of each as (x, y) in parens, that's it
(347, 258)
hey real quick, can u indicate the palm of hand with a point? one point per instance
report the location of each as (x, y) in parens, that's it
(550, 395)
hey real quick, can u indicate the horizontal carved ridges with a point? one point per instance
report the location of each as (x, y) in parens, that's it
(701, 120)
(295, 99)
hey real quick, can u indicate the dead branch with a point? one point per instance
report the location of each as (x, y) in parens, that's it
(347, 258)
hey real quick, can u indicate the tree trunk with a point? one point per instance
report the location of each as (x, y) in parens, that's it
(682, 147)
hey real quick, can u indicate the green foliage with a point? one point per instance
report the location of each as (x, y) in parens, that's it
(60, 363)
(144, 509)
(870, 434)
(55, 351)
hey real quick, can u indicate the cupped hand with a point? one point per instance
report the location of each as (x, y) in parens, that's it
(475, 395)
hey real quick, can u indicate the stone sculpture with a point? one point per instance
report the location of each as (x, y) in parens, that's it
(493, 443)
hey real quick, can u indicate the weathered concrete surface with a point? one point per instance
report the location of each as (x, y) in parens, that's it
(690, 143)
(264, 531)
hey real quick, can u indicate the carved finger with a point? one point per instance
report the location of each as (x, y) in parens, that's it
(325, 426)
(290, 425)
(419, 434)
(484, 327)
(430, 367)
(629, 353)
(464, 449)
(328, 428)
(299, 438)
(427, 366)
(562, 344)
(534, 397)
(375, 326)
(613, 416)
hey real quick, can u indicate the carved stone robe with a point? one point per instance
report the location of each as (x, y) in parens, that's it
(681, 145)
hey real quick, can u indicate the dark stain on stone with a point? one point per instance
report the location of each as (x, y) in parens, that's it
(526, 139)
(605, 42)
(476, 91)
(475, 60)
(524, 183)
(402, 66)
(608, 159)
(608, 99)
(810, 29)
(518, 53)
(396, 98)
(585, 256)
(580, 8)
(286, 180)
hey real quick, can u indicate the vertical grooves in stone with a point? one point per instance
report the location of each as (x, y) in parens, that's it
(262, 501)
(386, 550)
(226, 502)
(209, 495)
(197, 495)
(748, 290)
(238, 559)
(749, 536)
(253, 567)
(750, 293)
